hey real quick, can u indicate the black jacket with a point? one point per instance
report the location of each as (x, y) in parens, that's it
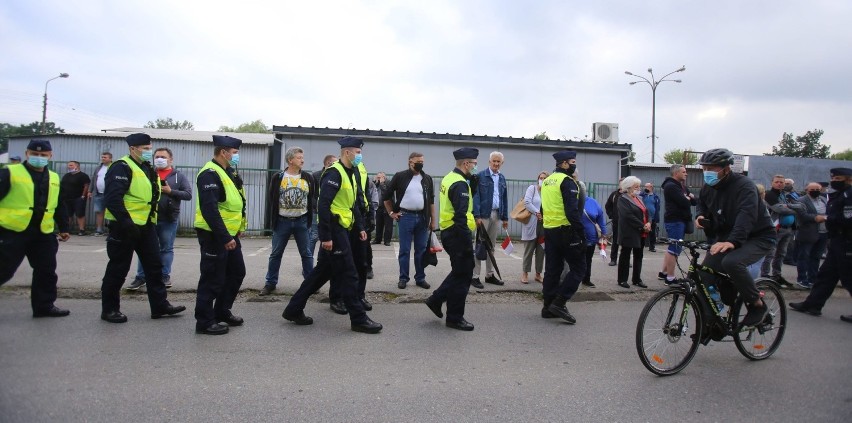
(398, 184)
(168, 209)
(734, 210)
(678, 205)
(631, 222)
(272, 195)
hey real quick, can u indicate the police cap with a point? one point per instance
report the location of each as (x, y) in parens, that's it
(841, 171)
(138, 139)
(15, 158)
(564, 155)
(466, 153)
(226, 141)
(39, 145)
(351, 142)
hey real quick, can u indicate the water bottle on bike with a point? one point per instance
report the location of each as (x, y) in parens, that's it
(717, 298)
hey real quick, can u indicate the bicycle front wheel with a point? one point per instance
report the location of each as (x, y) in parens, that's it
(668, 332)
(761, 341)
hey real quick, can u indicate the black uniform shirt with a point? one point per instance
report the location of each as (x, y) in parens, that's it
(211, 192)
(41, 182)
(839, 214)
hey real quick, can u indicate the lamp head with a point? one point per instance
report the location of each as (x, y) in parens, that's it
(63, 75)
(628, 73)
(650, 70)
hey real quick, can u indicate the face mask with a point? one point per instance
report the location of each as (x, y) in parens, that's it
(647, 191)
(838, 185)
(36, 161)
(571, 168)
(711, 178)
(474, 170)
(357, 160)
(146, 155)
(418, 167)
(70, 170)
(813, 194)
(235, 160)
(161, 163)
(788, 189)
(540, 181)
(637, 192)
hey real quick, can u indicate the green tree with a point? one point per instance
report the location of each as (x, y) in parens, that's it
(843, 155)
(542, 136)
(676, 156)
(169, 123)
(807, 145)
(29, 130)
(256, 127)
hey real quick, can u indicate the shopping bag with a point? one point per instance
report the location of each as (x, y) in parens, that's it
(507, 245)
(434, 243)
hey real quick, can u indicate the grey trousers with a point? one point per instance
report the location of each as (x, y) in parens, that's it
(492, 227)
(775, 257)
(531, 248)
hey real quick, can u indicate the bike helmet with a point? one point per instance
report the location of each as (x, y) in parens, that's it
(717, 156)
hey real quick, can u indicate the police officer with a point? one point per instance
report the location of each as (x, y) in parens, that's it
(838, 258)
(29, 213)
(561, 207)
(220, 218)
(337, 218)
(457, 228)
(130, 198)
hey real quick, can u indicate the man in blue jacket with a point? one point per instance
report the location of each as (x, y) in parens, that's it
(652, 204)
(491, 211)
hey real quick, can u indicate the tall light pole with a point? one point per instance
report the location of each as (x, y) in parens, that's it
(44, 105)
(653, 83)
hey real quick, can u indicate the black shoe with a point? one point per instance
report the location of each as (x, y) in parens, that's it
(232, 320)
(53, 311)
(590, 284)
(114, 317)
(370, 274)
(81, 233)
(338, 307)
(401, 284)
(493, 280)
(366, 304)
(846, 317)
(546, 314)
(387, 243)
(460, 325)
(299, 319)
(424, 285)
(367, 326)
(661, 276)
(640, 284)
(435, 306)
(613, 263)
(214, 329)
(136, 284)
(800, 307)
(267, 289)
(755, 315)
(624, 285)
(377, 242)
(169, 310)
(476, 283)
(653, 250)
(167, 281)
(561, 312)
(781, 281)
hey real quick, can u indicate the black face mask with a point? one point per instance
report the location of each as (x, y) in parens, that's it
(647, 191)
(813, 194)
(418, 167)
(838, 185)
(571, 169)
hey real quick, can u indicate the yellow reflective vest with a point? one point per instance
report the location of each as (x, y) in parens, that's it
(447, 209)
(552, 202)
(343, 202)
(16, 208)
(140, 197)
(231, 209)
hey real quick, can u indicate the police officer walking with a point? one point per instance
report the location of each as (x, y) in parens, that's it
(457, 228)
(29, 214)
(838, 258)
(220, 218)
(130, 197)
(564, 236)
(337, 218)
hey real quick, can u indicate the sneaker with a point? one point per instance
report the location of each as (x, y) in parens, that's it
(781, 281)
(81, 233)
(755, 315)
(661, 276)
(267, 289)
(167, 281)
(136, 284)
(476, 283)
(590, 284)
(668, 281)
(401, 284)
(424, 284)
(493, 280)
(98, 233)
(613, 263)
(804, 285)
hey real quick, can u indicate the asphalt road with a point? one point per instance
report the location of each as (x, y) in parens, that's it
(514, 367)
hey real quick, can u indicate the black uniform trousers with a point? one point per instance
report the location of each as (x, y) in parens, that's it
(837, 266)
(337, 265)
(222, 274)
(120, 248)
(384, 225)
(40, 250)
(613, 247)
(557, 253)
(458, 244)
(362, 256)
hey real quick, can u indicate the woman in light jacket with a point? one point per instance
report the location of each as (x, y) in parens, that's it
(633, 228)
(532, 231)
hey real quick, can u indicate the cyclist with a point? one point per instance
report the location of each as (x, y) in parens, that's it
(730, 211)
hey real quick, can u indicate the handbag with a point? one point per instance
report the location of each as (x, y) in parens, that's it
(520, 212)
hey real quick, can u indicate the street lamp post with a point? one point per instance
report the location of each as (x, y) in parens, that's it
(653, 83)
(44, 105)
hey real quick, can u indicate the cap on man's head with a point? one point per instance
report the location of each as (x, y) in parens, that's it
(226, 141)
(39, 145)
(841, 171)
(466, 153)
(138, 139)
(564, 155)
(351, 142)
(15, 158)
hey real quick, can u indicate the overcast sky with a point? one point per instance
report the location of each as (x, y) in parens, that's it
(754, 69)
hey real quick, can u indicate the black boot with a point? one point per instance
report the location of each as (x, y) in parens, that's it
(558, 308)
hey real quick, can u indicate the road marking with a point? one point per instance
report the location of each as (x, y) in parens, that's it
(260, 250)
(100, 250)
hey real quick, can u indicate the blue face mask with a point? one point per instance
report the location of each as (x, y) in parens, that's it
(357, 160)
(235, 160)
(146, 155)
(36, 161)
(711, 178)
(474, 170)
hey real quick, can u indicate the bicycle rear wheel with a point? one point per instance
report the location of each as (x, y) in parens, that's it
(668, 332)
(761, 341)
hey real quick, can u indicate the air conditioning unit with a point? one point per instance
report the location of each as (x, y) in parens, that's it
(605, 132)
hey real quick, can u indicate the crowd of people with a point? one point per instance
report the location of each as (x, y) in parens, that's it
(137, 201)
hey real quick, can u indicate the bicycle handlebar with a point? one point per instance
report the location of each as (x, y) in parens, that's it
(691, 245)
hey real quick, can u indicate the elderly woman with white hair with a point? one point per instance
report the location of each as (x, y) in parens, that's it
(633, 227)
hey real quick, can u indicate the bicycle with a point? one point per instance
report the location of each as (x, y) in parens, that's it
(679, 318)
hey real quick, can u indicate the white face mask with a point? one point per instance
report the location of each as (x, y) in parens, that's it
(540, 181)
(161, 163)
(637, 192)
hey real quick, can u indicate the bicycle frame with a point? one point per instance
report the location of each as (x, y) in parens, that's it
(716, 323)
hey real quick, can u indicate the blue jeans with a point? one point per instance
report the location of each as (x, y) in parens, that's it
(675, 230)
(807, 262)
(412, 227)
(281, 231)
(166, 232)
